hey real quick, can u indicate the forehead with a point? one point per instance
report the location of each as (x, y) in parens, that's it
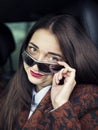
(46, 41)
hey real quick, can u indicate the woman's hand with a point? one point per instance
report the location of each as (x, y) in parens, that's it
(60, 93)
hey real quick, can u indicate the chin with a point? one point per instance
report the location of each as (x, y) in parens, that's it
(34, 81)
(39, 82)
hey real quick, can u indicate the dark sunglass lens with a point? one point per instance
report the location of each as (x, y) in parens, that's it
(49, 68)
(28, 60)
(44, 67)
(55, 68)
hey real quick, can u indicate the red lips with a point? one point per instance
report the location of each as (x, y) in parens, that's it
(37, 75)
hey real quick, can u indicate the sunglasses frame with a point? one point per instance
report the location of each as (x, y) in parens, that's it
(40, 62)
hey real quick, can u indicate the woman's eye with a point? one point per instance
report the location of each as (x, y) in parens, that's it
(32, 49)
(54, 59)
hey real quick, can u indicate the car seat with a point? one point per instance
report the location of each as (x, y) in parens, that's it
(7, 46)
(86, 11)
(89, 19)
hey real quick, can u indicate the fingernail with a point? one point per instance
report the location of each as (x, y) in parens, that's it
(57, 82)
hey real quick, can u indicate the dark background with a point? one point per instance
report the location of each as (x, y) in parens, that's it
(28, 10)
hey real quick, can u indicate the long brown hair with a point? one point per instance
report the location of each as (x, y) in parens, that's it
(78, 50)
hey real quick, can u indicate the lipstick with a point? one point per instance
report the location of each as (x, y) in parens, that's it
(37, 75)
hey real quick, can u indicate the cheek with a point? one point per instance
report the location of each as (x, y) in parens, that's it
(48, 79)
(26, 67)
(44, 81)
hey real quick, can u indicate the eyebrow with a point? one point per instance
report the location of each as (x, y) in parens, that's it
(48, 52)
(55, 54)
(33, 44)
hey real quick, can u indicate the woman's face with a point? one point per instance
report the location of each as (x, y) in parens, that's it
(43, 46)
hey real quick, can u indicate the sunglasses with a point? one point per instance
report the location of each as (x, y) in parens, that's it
(45, 67)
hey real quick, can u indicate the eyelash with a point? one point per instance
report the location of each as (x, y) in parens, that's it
(31, 47)
(35, 52)
(54, 58)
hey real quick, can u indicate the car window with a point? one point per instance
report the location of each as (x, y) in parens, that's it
(19, 31)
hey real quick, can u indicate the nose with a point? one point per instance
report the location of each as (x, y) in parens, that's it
(41, 58)
(35, 66)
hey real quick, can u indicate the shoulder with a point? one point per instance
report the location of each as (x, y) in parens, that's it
(83, 93)
(85, 89)
(85, 98)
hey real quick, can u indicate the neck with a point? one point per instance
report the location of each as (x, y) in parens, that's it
(38, 88)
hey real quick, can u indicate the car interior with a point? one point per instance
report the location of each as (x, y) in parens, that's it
(17, 16)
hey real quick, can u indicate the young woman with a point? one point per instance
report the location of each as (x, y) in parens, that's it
(56, 84)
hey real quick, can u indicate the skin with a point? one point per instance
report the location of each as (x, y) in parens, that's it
(47, 42)
(60, 93)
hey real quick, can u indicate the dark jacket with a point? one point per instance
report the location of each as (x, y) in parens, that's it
(79, 113)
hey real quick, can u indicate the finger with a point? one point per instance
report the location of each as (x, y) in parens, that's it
(55, 79)
(60, 76)
(67, 68)
(62, 73)
(62, 63)
(70, 76)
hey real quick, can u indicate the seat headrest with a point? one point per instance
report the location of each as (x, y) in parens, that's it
(89, 19)
(86, 11)
(7, 43)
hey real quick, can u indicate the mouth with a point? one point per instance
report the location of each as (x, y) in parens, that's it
(34, 74)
